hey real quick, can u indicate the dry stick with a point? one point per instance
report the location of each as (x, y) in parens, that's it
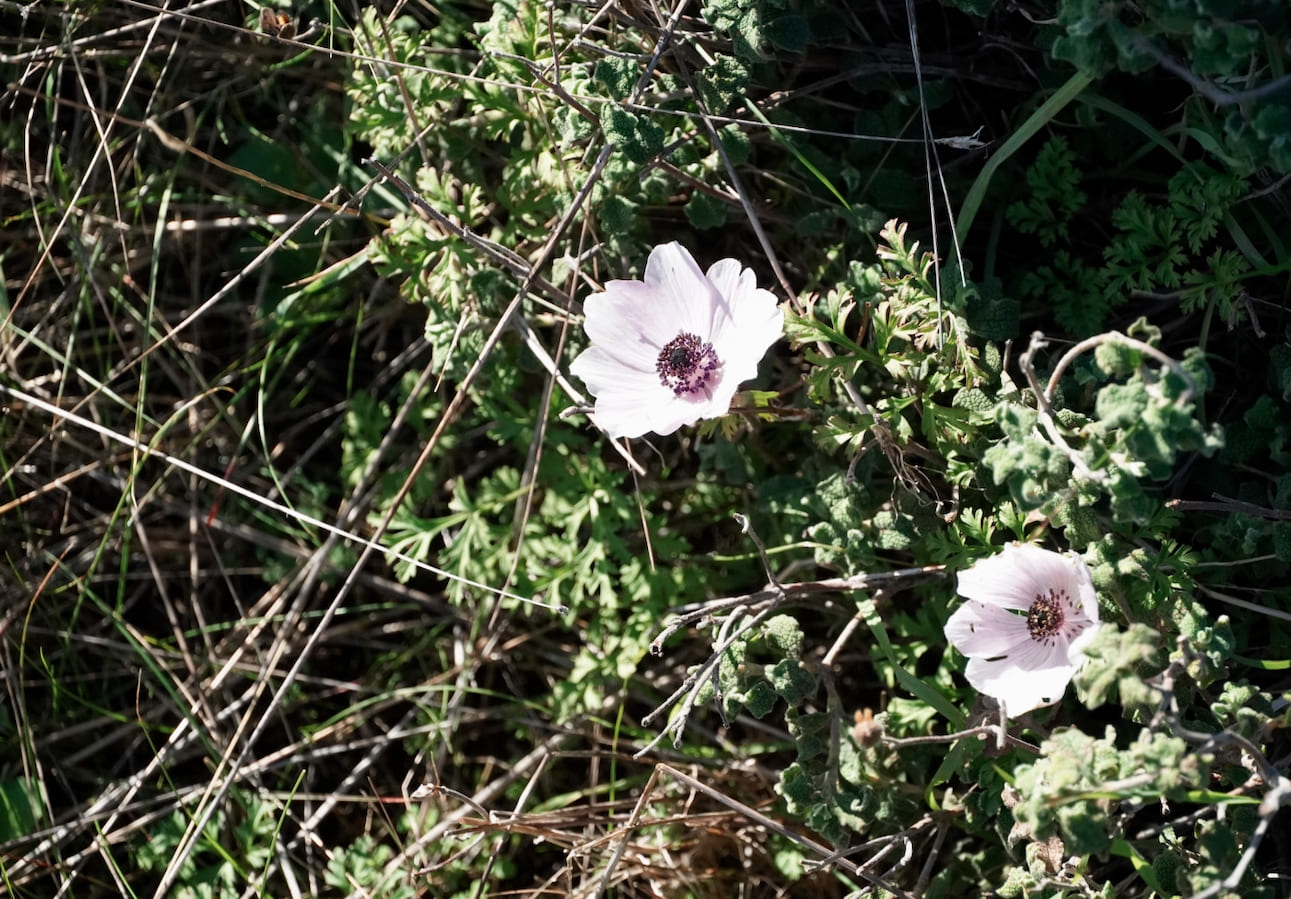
(480, 800)
(1044, 398)
(754, 222)
(120, 795)
(230, 770)
(925, 873)
(689, 687)
(1279, 793)
(529, 479)
(626, 830)
(53, 50)
(458, 400)
(49, 241)
(531, 462)
(506, 823)
(1044, 412)
(773, 597)
(1242, 603)
(1280, 787)
(117, 800)
(1221, 504)
(882, 432)
(775, 826)
(1216, 95)
(252, 496)
(984, 730)
(507, 257)
(201, 700)
(931, 157)
(360, 501)
(509, 318)
(519, 268)
(1113, 337)
(55, 484)
(724, 632)
(369, 546)
(727, 635)
(884, 843)
(844, 635)
(351, 580)
(355, 775)
(170, 335)
(850, 584)
(834, 707)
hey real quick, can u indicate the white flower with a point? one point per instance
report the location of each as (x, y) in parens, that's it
(673, 349)
(1024, 660)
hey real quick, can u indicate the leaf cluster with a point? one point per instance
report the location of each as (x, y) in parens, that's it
(1213, 47)
(1167, 248)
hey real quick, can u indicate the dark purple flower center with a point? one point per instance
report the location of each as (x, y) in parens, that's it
(1047, 615)
(687, 365)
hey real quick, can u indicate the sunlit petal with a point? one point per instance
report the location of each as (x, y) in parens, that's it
(1029, 614)
(674, 348)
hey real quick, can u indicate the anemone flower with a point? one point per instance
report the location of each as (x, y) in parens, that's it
(1028, 617)
(673, 348)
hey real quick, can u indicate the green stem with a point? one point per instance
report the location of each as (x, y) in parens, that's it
(1037, 120)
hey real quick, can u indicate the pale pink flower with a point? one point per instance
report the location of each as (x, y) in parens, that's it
(1028, 616)
(674, 347)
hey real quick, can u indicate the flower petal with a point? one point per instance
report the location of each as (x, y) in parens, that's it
(684, 296)
(981, 631)
(624, 419)
(632, 323)
(1014, 577)
(603, 372)
(1018, 690)
(628, 322)
(1076, 648)
(1084, 587)
(749, 322)
(726, 276)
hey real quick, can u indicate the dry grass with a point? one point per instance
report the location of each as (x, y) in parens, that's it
(204, 687)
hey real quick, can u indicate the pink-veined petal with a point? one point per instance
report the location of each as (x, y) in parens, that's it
(603, 373)
(634, 325)
(685, 296)
(981, 631)
(1013, 578)
(1018, 691)
(628, 322)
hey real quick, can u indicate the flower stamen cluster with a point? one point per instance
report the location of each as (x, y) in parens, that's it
(1045, 617)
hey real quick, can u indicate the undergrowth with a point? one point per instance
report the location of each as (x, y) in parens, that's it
(321, 580)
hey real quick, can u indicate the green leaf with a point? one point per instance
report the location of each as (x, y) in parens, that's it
(722, 84)
(21, 806)
(783, 636)
(789, 33)
(638, 137)
(705, 211)
(792, 681)
(618, 75)
(1037, 120)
